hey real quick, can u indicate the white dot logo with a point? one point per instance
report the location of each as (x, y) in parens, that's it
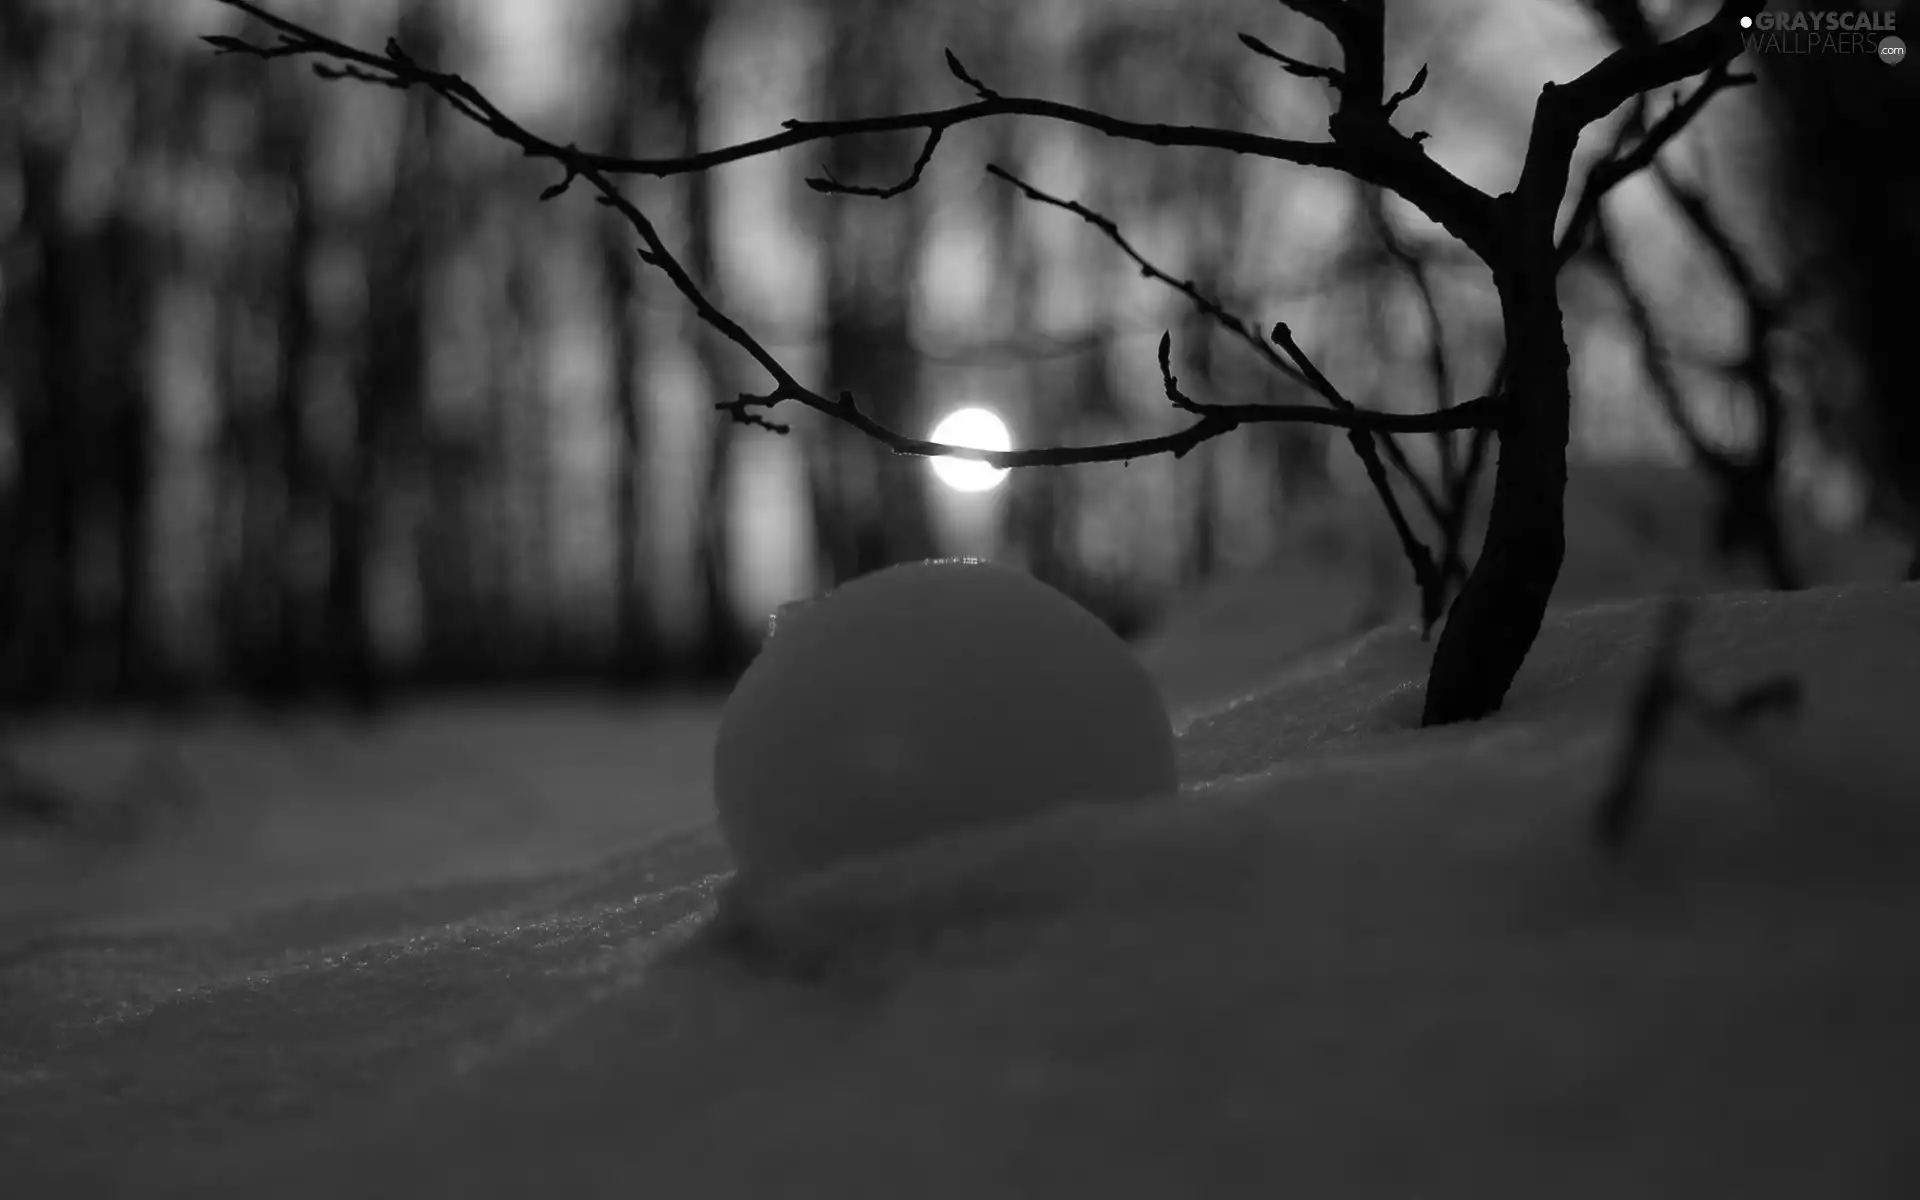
(1746, 22)
(1892, 50)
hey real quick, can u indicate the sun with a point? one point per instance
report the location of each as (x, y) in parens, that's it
(980, 429)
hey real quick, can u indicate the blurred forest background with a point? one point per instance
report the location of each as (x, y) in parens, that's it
(304, 394)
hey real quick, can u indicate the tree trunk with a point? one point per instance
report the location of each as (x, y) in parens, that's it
(1497, 615)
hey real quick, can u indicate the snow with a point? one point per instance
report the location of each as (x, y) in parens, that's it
(1633, 529)
(926, 698)
(256, 814)
(1354, 958)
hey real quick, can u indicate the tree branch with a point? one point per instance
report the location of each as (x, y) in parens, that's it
(1289, 64)
(828, 185)
(1623, 163)
(1206, 305)
(1415, 266)
(1747, 481)
(1359, 26)
(1565, 110)
(1213, 419)
(1426, 575)
(1395, 163)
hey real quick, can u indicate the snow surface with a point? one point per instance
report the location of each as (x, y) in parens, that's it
(1354, 959)
(1633, 529)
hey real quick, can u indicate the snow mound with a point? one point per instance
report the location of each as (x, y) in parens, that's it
(926, 698)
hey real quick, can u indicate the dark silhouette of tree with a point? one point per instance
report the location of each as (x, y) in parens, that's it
(1493, 621)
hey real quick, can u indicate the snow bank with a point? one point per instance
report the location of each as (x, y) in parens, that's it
(1633, 529)
(1355, 959)
(278, 812)
(1358, 959)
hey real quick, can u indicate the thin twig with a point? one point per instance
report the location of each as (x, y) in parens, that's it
(1425, 576)
(1204, 304)
(1415, 266)
(1209, 307)
(1289, 64)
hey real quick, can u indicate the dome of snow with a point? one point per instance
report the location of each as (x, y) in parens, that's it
(925, 698)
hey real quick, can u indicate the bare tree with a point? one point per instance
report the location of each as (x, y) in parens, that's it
(1497, 614)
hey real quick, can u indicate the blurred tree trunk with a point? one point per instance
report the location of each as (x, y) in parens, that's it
(1860, 199)
(636, 641)
(389, 393)
(243, 540)
(43, 525)
(1299, 457)
(1200, 340)
(721, 644)
(1032, 513)
(869, 506)
(1200, 559)
(124, 276)
(1211, 196)
(249, 494)
(286, 152)
(523, 428)
(453, 589)
(23, 482)
(83, 441)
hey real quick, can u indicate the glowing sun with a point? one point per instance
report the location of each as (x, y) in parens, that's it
(980, 429)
